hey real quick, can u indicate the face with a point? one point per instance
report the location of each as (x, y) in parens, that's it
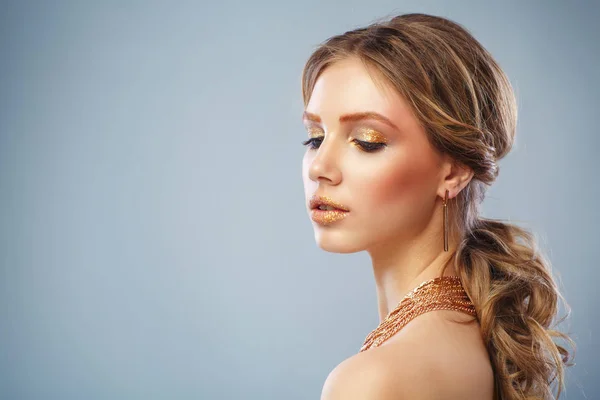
(386, 174)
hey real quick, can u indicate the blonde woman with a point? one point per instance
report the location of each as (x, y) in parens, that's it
(407, 120)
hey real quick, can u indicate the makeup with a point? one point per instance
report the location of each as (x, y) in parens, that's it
(372, 136)
(317, 201)
(312, 132)
(326, 217)
(324, 210)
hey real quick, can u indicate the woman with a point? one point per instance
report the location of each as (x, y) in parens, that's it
(407, 120)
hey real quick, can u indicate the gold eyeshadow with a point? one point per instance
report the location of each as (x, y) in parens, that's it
(312, 132)
(370, 135)
(364, 134)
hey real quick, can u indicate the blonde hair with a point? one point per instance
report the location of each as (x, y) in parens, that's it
(468, 109)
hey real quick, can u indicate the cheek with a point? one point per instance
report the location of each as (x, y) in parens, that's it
(401, 182)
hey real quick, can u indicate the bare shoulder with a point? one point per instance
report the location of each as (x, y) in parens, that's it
(433, 357)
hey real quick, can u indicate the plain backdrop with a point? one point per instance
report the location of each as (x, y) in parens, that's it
(154, 242)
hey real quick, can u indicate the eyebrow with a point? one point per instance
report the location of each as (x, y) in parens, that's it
(359, 116)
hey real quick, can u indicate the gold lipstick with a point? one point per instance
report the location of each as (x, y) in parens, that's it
(324, 210)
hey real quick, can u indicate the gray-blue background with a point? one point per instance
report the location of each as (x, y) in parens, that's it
(153, 237)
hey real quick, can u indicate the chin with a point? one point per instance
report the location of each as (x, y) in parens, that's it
(337, 242)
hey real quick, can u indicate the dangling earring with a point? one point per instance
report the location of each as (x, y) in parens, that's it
(445, 205)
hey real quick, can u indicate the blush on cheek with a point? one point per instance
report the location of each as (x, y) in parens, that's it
(401, 184)
(401, 197)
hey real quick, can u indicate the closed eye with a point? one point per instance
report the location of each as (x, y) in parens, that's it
(314, 142)
(369, 147)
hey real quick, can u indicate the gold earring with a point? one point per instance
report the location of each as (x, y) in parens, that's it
(445, 205)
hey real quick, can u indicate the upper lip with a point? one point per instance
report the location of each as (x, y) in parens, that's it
(317, 201)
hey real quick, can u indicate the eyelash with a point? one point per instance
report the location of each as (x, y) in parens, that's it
(365, 146)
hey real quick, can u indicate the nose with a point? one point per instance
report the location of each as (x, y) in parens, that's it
(324, 167)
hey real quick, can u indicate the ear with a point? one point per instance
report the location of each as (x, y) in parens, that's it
(455, 177)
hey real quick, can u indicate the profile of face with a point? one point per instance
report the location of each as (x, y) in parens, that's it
(367, 151)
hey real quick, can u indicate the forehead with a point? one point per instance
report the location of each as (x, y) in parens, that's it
(347, 86)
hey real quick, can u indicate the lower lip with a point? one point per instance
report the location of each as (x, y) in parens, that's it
(326, 217)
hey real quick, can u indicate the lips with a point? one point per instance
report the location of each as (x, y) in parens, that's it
(326, 217)
(317, 201)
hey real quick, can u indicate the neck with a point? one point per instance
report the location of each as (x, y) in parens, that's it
(400, 268)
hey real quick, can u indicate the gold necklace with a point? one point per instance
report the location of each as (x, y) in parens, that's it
(442, 293)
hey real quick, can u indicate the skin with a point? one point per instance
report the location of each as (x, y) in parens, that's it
(394, 196)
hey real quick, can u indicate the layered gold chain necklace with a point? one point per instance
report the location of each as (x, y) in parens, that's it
(442, 293)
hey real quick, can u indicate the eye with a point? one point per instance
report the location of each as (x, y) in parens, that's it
(369, 147)
(314, 142)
